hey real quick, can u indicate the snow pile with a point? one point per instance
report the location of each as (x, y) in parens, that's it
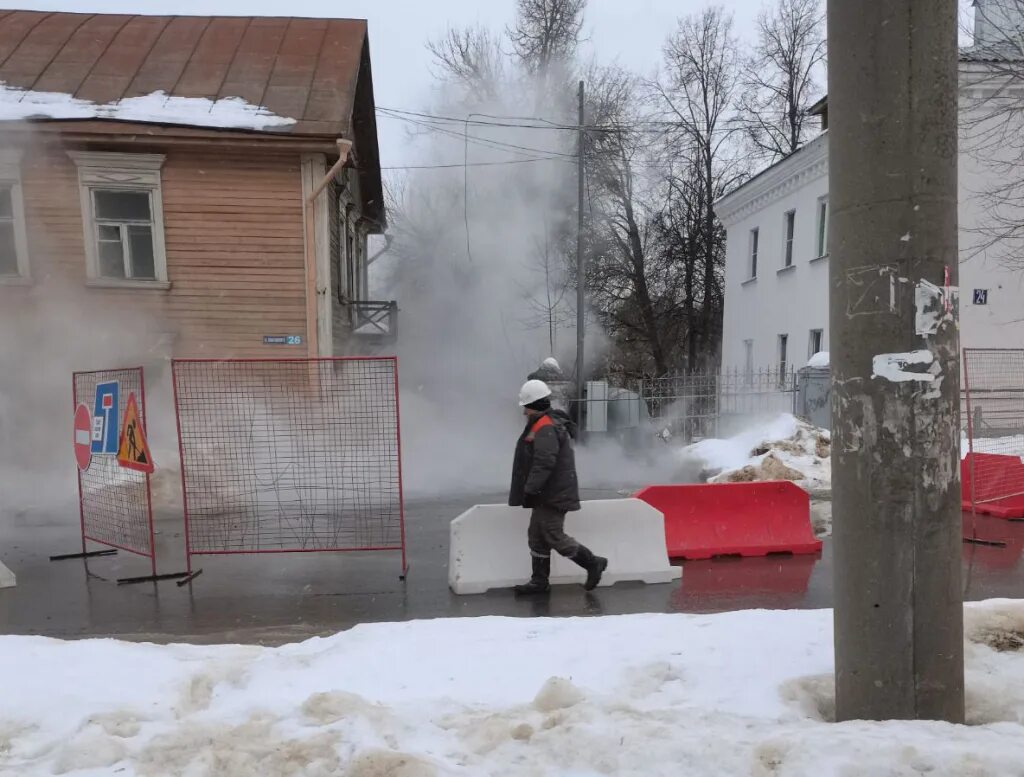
(820, 360)
(1012, 445)
(780, 448)
(156, 108)
(635, 695)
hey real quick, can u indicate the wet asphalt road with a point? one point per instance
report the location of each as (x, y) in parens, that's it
(282, 598)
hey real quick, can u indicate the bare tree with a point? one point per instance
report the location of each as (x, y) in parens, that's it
(695, 95)
(546, 32)
(471, 57)
(779, 79)
(634, 283)
(992, 131)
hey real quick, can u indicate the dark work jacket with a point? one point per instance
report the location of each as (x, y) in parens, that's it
(544, 469)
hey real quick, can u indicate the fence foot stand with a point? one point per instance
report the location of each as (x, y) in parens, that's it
(189, 577)
(989, 543)
(150, 578)
(405, 573)
(90, 554)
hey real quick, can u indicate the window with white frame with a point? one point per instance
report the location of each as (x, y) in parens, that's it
(814, 342)
(754, 237)
(122, 216)
(783, 356)
(789, 227)
(822, 237)
(13, 239)
(748, 358)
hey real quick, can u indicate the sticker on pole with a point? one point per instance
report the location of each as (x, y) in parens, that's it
(83, 436)
(105, 418)
(133, 450)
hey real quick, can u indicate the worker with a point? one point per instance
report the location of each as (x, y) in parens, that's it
(544, 481)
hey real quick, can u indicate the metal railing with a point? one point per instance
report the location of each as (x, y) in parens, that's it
(377, 320)
(691, 406)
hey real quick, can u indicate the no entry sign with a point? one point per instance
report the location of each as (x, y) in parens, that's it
(83, 436)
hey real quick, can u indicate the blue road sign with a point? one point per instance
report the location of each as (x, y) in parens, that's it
(106, 419)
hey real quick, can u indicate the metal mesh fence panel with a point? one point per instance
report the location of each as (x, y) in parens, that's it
(115, 502)
(994, 404)
(290, 455)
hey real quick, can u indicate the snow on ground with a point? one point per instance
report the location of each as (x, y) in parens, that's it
(743, 693)
(780, 447)
(157, 108)
(1012, 445)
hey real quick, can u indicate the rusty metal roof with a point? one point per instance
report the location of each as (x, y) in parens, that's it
(316, 71)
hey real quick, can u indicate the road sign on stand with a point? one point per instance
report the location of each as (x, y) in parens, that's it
(105, 419)
(133, 450)
(83, 436)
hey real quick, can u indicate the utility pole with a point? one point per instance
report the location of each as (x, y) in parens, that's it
(892, 90)
(581, 270)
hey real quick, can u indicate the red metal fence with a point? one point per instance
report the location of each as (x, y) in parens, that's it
(115, 502)
(290, 455)
(993, 467)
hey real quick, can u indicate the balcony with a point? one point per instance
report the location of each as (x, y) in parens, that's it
(374, 322)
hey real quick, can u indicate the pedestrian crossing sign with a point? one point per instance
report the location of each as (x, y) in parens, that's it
(133, 449)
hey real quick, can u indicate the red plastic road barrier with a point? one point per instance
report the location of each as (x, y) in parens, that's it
(734, 519)
(994, 474)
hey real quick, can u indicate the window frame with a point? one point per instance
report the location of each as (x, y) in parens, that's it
(10, 175)
(821, 236)
(783, 355)
(116, 171)
(811, 350)
(788, 235)
(755, 240)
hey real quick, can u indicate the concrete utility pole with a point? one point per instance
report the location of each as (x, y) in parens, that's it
(892, 93)
(581, 269)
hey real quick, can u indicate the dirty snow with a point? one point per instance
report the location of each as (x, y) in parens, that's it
(632, 695)
(156, 108)
(781, 447)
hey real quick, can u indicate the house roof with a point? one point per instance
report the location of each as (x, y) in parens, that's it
(302, 78)
(308, 70)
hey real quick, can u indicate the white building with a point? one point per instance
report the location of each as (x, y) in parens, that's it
(776, 269)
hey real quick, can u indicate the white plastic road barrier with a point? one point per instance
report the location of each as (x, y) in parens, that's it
(488, 546)
(6, 577)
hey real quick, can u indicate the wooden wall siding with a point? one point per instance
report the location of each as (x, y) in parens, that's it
(234, 236)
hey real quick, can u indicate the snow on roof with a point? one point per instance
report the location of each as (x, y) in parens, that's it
(819, 360)
(155, 108)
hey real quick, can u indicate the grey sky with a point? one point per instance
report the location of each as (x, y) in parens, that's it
(629, 32)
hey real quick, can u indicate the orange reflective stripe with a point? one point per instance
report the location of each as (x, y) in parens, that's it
(541, 423)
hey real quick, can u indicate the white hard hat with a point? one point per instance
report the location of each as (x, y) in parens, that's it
(551, 361)
(533, 390)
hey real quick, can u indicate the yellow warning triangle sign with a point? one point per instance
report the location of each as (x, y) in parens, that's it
(133, 450)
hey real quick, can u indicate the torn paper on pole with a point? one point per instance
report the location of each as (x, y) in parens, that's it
(894, 367)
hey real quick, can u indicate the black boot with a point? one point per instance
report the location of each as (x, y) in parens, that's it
(539, 580)
(595, 566)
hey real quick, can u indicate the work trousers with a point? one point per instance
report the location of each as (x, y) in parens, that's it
(547, 533)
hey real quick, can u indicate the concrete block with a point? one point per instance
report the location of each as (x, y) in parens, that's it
(488, 546)
(7, 579)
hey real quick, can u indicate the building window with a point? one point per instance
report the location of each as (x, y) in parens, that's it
(783, 356)
(790, 224)
(122, 215)
(748, 359)
(822, 241)
(13, 241)
(753, 252)
(814, 342)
